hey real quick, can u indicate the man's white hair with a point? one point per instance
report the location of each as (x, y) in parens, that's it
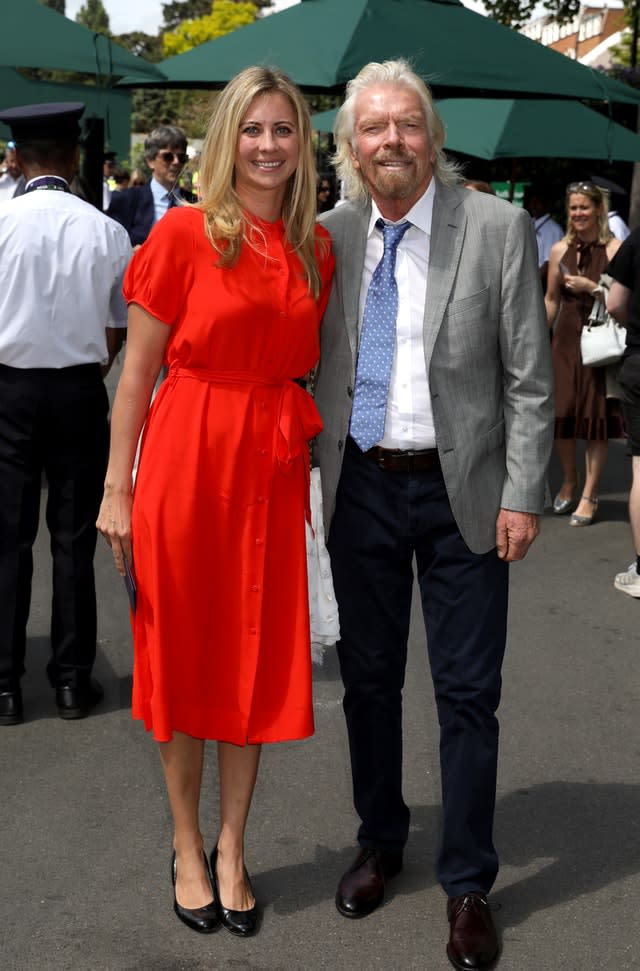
(397, 72)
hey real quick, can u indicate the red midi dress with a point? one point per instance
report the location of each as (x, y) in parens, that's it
(221, 630)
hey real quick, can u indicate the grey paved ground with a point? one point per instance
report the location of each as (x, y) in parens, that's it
(85, 830)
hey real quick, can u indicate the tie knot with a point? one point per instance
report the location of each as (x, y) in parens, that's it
(392, 232)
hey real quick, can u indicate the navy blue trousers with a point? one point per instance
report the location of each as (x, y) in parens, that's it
(382, 521)
(52, 422)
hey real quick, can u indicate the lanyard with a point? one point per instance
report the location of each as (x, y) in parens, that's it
(54, 182)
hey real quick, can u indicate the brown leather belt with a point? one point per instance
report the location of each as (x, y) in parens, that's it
(399, 460)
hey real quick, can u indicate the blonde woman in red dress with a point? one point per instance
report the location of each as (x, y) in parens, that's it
(228, 295)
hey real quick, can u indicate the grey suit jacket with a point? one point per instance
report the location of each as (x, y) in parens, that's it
(486, 347)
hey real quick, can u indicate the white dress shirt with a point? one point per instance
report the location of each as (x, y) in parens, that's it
(8, 186)
(548, 232)
(61, 275)
(409, 417)
(106, 194)
(617, 225)
(161, 198)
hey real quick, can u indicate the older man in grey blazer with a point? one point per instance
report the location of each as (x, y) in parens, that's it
(437, 436)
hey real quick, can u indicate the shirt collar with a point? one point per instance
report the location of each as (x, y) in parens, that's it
(420, 215)
(160, 194)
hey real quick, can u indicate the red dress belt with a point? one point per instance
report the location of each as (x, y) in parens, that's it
(298, 418)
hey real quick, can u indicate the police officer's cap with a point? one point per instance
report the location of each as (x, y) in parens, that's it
(57, 120)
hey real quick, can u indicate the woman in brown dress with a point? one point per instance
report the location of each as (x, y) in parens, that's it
(582, 410)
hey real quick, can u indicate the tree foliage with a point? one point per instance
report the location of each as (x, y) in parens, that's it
(516, 13)
(57, 5)
(224, 16)
(177, 11)
(153, 106)
(623, 54)
(148, 105)
(93, 15)
(142, 45)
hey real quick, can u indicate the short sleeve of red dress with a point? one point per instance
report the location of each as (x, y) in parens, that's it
(163, 267)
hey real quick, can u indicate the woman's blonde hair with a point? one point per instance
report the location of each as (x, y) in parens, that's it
(226, 222)
(388, 72)
(601, 198)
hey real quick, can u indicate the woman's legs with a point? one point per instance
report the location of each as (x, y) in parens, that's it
(595, 459)
(182, 760)
(238, 769)
(566, 452)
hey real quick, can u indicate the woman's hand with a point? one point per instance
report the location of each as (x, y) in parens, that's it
(114, 522)
(579, 284)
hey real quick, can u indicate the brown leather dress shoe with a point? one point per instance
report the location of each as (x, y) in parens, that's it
(361, 888)
(473, 943)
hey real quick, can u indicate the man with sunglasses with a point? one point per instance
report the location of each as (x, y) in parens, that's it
(138, 209)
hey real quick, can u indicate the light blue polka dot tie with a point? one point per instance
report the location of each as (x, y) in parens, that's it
(377, 343)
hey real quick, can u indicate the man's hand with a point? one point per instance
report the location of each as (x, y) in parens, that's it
(515, 532)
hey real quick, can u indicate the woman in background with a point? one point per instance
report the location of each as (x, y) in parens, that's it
(582, 409)
(325, 194)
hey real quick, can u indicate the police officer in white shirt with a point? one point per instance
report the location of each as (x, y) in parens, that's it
(62, 318)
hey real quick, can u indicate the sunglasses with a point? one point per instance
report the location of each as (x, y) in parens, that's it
(583, 187)
(324, 188)
(168, 157)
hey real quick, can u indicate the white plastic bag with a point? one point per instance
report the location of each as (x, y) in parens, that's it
(323, 609)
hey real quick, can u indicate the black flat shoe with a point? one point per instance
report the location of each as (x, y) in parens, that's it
(243, 923)
(202, 919)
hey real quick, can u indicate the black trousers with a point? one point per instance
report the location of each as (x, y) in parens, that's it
(382, 520)
(629, 380)
(52, 421)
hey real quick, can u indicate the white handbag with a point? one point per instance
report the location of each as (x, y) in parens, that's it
(603, 339)
(323, 609)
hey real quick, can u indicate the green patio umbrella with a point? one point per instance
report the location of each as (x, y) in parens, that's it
(36, 36)
(321, 44)
(112, 105)
(492, 128)
(534, 128)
